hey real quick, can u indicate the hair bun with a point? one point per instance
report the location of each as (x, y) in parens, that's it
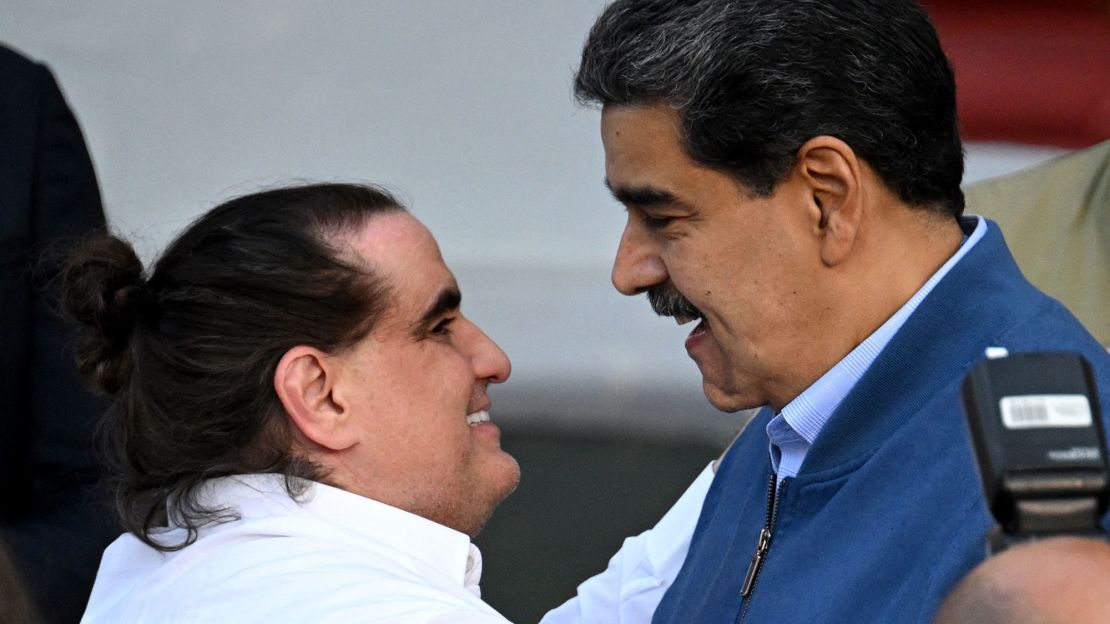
(103, 290)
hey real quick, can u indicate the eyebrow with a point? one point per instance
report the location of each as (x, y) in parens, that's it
(642, 195)
(449, 299)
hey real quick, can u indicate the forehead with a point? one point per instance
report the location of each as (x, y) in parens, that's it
(643, 146)
(400, 250)
(644, 154)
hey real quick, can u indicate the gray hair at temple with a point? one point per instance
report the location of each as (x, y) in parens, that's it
(753, 80)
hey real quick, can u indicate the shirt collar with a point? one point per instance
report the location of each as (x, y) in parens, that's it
(357, 520)
(809, 411)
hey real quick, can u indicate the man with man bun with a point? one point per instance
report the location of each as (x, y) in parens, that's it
(300, 429)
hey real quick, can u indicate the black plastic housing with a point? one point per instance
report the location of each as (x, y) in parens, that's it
(1042, 463)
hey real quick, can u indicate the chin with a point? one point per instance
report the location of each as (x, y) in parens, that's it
(502, 480)
(727, 401)
(511, 476)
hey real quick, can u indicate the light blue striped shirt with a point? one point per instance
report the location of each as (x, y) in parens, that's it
(793, 430)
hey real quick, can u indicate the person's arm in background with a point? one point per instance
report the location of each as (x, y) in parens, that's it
(52, 516)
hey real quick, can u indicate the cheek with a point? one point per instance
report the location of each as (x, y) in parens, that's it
(426, 399)
(434, 449)
(701, 264)
(438, 381)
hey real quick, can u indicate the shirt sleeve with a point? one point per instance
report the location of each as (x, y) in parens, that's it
(630, 588)
(467, 617)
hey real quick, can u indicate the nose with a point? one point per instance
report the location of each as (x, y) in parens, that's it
(488, 360)
(636, 266)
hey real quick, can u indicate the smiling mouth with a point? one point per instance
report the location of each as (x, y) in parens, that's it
(477, 418)
(700, 328)
(683, 319)
(697, 336)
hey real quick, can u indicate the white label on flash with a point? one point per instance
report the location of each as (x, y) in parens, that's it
(1039, 411)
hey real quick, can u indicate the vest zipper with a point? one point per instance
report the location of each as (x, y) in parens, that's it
(763, 544)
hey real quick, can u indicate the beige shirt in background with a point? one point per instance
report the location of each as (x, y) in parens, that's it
(1056, 219)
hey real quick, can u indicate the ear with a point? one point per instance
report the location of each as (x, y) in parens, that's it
(831, 171)
(304, 381)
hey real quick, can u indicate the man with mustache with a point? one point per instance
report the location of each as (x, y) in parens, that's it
(791, 172)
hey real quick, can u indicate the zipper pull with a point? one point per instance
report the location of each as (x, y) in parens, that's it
(757, 562)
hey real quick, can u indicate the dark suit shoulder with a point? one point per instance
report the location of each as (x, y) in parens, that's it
(17, 71)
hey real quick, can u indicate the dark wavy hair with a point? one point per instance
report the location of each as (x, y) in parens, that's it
(189, 351)
(753, 80)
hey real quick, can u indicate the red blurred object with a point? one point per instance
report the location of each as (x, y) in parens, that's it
(1029, 71)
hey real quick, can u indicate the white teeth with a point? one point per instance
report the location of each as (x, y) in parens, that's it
(682, 319)
(477, 417)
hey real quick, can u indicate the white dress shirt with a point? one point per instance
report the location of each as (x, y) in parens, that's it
(332, 557)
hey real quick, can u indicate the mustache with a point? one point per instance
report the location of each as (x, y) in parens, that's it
(666, 301)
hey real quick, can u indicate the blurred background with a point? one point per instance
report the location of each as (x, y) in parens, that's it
(465, 110)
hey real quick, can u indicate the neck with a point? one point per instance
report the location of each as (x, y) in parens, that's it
(894, 255)
(898, 253)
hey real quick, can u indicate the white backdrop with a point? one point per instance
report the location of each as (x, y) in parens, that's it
(463, 108)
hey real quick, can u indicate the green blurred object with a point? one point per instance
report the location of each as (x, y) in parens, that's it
(1056, 218)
